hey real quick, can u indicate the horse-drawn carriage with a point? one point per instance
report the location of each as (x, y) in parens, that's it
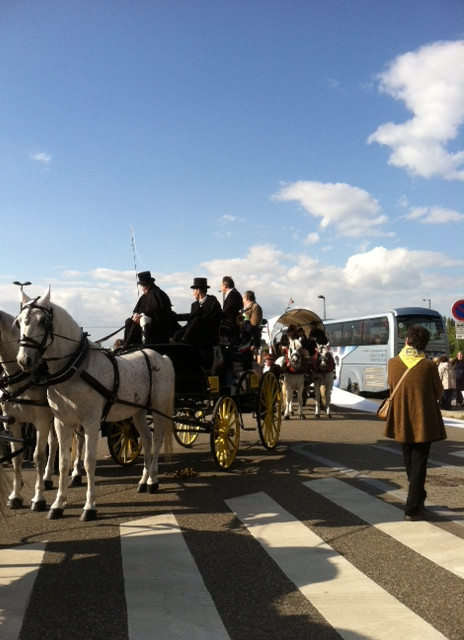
(87, 386)
(320, 369)
(212, 400)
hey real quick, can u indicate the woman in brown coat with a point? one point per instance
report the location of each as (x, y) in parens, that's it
(415, 419)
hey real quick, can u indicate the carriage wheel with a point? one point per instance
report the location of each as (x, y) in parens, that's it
(123, 442)
(270, 407)
(186, 434)
(225, 432)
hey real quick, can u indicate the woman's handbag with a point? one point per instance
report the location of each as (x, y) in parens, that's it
(384, 407)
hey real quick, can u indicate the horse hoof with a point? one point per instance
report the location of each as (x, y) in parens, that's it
(55, 514)
(153, 488)
(316, 415)
(15, 503)
(89, 515)
(40, 505)
(142, 487)
(76, 481)
(286, 417)
(48, 485)
(329, 415)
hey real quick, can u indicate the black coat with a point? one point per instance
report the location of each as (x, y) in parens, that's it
(202, 328)
(232, 306)
(157, 305)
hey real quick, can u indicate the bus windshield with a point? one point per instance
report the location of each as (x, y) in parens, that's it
(433, 324)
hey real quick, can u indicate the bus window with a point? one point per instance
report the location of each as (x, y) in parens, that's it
(375, 330)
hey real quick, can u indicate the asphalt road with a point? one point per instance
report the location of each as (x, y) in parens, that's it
(307, 541)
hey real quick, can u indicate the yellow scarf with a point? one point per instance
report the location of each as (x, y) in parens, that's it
(411, 356)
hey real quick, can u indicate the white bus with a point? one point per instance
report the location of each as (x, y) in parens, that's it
(362, 346)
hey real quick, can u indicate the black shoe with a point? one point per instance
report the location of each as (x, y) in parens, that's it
(415, 517)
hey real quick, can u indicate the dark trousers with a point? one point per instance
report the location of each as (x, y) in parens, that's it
(415, 457)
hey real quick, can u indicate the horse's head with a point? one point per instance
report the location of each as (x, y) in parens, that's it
(294, 353)
(324, 359)
(35, 323)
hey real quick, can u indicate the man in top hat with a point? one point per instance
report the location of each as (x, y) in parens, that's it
(202, 328)
(153, 321)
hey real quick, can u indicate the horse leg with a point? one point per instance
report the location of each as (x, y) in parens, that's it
(38, 502)
(76, 452)
(92, 431)
(286, 396)
(140, 423)
(299, 393)
(328, 396)
(52, 451)
(317, 398)
(15, 499)
(163, 426)
(64, 434)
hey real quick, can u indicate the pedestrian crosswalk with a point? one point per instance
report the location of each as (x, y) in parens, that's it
(165, 590)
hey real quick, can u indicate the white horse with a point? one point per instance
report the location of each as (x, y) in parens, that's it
(23, 402)
(293, 375)
(88, 385)
(323, 366)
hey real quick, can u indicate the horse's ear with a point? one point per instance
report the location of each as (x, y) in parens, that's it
(24, 298)
(44, 301)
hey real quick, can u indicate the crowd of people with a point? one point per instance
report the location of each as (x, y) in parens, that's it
(451, 372)
(236, 323)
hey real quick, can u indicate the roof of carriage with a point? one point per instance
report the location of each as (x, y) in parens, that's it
(298, 317)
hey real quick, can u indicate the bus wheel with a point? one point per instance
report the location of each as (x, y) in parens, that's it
(354, 388)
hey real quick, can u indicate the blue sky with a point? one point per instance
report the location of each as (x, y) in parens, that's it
(303, 147)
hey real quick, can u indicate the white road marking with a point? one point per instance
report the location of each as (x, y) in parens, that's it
(165, 593)
(424, 538)
(350, 601)
(18, 570)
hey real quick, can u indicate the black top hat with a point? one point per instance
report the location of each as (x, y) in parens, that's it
(200, 283)
(144, 278)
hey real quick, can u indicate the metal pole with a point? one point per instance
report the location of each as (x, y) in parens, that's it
(323, 299)
(429, 301)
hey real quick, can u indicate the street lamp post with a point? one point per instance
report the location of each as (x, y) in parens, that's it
(427, 300)
(323, 299)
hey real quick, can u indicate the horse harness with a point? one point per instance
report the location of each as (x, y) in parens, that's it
(76, 359)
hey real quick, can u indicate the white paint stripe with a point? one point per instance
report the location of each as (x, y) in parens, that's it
(449, 514)
(165, 593)
(460, 454)
(18, 570)
(350, 601)
(424, 538)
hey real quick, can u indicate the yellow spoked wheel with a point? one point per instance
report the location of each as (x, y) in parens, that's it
(186, 434)
(270, 406)
(225, 432)
(123, 442)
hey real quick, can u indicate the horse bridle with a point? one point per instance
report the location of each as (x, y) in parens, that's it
(31, 343)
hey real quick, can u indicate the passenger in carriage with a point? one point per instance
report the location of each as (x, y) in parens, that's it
(153, 320)
(250, 323)
(316, 336)
(231, 306)
(202, 328)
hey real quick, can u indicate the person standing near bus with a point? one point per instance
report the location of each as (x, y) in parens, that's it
(459, 372)
(415, 418)
(448, 379)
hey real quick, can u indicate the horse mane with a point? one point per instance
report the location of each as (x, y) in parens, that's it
(65, 325)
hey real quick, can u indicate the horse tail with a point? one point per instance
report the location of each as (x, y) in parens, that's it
(168, 423)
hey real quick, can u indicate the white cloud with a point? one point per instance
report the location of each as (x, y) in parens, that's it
(41, 157)
(352, 211)
(430, 82)
(312, 238)
(368, 282)
(434, 215)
